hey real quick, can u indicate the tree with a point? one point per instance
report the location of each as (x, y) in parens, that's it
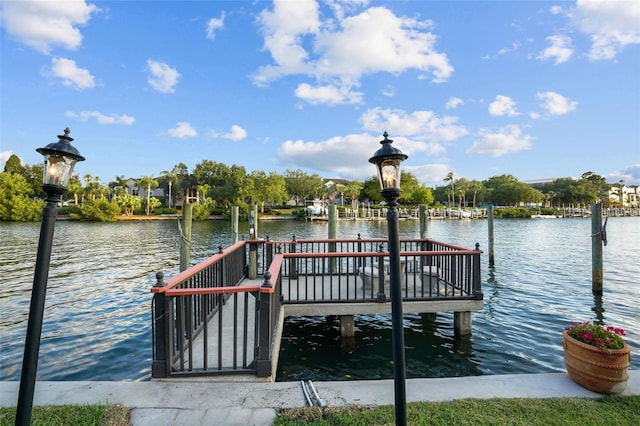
(170, 178)
(74, 187)
(408, 184)
(129, 203)
(421, 195)
(148, 182)
(473, 187)
(270, 189)
(301, 185)
(506, 190)
(118, 186)
(353, 189)
(371, 190)
(99, 210)
(13, 165)
(451, 195)
(16, 203)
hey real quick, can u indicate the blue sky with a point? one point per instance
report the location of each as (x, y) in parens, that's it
(532, 89)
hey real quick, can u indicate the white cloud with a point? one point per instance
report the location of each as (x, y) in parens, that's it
(429, 174)
(496, 144)
(162, 77)
(556, 104)
(344, 48)
(420, 125)
(345, 156)
(611, 25)
(237, 133)
(4, 156)
(503, 105)
(101, 118)
(560, 49)
(330, 95)
(630, 175)
(183, 130)
(555, 10)
(215, 24)
(70, 74)
(454, 103)
(43, 25)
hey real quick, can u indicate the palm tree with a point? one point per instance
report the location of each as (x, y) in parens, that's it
(149, 182)
(171, 178)
(449, 178)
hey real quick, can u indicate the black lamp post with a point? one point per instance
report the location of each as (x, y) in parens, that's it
(387, 160)
(59, 159)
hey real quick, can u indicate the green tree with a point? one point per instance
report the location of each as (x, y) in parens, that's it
(129, 203)
(408, 184)
(118, 186)
(149, 183)
(75, 188)
(270, 188)
(170, 178)
(98, 210)
(302, 186)
(506, 190)
(16, 203)
(451, 193)
(14, 165)
(421, 195)
(353, 189)
(371, 190)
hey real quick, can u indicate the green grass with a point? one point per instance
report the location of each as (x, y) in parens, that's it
(71, 415)
(610, 411)
(529, 412)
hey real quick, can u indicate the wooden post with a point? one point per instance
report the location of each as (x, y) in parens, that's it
(185, 240)
(490, 224)
(333, 231)
(235, 213)
(424, 214)
(597, 238)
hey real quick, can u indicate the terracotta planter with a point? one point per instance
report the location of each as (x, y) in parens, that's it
(602, 371)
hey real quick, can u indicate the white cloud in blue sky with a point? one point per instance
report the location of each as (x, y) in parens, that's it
(532, 89)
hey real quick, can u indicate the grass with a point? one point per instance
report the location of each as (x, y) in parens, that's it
(529, 412)
(71, 415)
(610, 411)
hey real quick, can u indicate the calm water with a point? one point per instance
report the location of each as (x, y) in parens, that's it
(97, 316)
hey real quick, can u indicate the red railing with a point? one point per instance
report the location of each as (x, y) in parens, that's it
(236, 319)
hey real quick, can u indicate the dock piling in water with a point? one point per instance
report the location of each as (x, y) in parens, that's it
(597, 230)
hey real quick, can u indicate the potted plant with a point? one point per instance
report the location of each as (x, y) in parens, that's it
(597, 357)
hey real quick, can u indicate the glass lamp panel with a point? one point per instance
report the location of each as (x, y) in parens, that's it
(57, 169)
(389, 177)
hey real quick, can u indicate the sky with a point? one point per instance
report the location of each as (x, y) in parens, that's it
(537, 90)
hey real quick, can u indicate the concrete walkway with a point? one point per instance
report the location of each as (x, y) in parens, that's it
(255, 403)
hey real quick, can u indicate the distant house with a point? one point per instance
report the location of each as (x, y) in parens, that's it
(624, 195)
(132, 188)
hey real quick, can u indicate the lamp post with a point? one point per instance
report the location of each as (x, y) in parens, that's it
(59, 159)
(387, 160)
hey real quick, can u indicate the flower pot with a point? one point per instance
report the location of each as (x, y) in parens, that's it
(602, 371)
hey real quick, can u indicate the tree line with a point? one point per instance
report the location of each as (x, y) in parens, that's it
(214, 187)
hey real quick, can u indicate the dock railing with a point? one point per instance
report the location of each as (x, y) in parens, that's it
(210, 319)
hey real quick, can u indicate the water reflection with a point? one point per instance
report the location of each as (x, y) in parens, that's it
(312, 349)
(97, 312)
(598, 309)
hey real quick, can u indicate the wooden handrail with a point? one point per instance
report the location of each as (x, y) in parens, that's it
(178, 278)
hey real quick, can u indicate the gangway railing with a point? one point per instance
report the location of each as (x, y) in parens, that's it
(212, 319)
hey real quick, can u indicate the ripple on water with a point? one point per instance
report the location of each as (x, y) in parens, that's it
(97, 314)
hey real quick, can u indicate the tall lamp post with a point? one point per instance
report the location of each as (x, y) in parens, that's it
(387, 160)
(59, 159)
